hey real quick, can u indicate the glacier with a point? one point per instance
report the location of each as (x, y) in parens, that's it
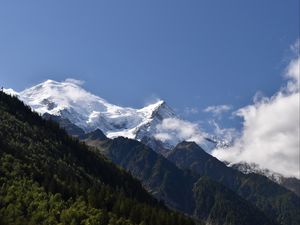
(69, 100)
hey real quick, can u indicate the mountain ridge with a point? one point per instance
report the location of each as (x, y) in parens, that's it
(291, 183)
(257, 189)
(49, 177)
(79, 112)
(134, 156)
(89, 112)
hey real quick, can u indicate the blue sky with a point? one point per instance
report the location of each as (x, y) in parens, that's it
(192, 54)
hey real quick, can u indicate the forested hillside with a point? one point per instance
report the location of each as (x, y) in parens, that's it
(274, 200)
(48, 177)
(184, 190)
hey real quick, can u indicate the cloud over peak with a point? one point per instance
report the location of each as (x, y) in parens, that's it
(217, 110)
(270, 135)
(74, 81)
(175, 130)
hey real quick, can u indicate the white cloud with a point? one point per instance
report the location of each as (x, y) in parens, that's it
(175, 130)
(217, 110)
(190, 110)
(259, 97)
(270, 135)
(228, 134)
(292, 72)
(295, 47)
(74, 81)
(163, 137)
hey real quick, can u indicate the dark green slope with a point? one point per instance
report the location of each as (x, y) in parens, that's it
(178, 188)
(274, 200)
(66, 124)
(189, 155)
(290, 183)
(48, 177)
(175, 186)
(221, 206)
(161, 177)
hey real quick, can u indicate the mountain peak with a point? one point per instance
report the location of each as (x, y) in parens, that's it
(53, 82)
(187, 144)
(95, 135)
(71, 101)
(56, 98)
(189, 148)
(10, 91)
(159, 110)
(50, 81)
(153, 106)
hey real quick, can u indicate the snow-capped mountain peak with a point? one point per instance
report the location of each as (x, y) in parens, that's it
(10, 91)
(53, 97)
(90, 112)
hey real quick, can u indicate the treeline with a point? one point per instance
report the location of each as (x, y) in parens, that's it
(48, 177)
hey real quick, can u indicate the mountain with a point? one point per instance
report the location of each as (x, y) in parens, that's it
(89, 112)
(49, 177)
(189, 155)
(66, 124)
(180, 189)
(221, 206)
(291, 183)
(274, 200)
(79, 111)
(159, 176)
(174, 184)
(96, 135)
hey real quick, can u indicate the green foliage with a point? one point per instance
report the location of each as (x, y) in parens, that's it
(208, 200)
(161, 177)
(219, 205)
(48, 177)
(25, 202)
(274, 200)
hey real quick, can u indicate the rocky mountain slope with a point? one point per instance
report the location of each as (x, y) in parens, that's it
(178, 186)
(73, 105)
(49, 177)
(290, 183)
(257, 189)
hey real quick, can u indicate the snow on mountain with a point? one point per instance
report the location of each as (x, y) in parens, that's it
(247, 168)
(10, 91)
(290, 183)
(90, 112)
